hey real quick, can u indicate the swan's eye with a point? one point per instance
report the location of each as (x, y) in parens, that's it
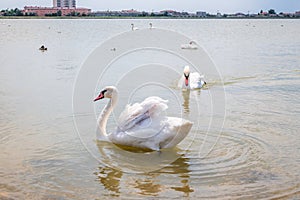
(103, 91)
(186, 76)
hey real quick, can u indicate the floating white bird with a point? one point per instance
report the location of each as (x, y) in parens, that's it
(191, 80)
(134, 28)
(151, 25)
(143, 125)
(190, 45)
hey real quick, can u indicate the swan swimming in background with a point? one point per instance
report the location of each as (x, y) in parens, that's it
(190, 45)
(142, 125)
(191, 80)
(133, 28)
(151, 25)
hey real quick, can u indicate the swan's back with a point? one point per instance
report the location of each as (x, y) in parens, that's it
(171, 131)
(144, 125)
(175, 131)
(136, 113)
(196, 80)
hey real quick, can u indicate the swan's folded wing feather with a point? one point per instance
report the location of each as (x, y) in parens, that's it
(135, 114)
(175, 131)
(196, 80)
(195, 76)
(140, 138)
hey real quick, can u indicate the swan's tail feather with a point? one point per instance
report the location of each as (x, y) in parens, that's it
(180, 132)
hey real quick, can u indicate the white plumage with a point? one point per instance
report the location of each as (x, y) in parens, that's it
(143, 125)
(133, 28)
(191, 80)
(191, 45)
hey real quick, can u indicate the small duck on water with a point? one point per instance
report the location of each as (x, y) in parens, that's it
(43, 48)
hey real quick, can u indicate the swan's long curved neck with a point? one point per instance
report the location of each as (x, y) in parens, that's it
(102, 120)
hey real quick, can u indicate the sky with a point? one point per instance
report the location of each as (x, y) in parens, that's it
(211, 6)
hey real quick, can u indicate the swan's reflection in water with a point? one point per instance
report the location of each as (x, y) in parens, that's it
(186, 98)
(115, 180)
(179, 168)
(110, 179)
(133, 160)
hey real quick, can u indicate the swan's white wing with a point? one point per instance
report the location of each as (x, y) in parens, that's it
(175, 130)
(189, 46)
(195, 76)
(141, 113)
(184, 46)
(163, 133)
(196, 80)
(142, 138)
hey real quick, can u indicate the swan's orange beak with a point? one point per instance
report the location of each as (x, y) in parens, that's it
(101, 96)
(186, 81)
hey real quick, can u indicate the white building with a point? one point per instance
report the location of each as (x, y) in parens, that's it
(201, 14)
(64, 3)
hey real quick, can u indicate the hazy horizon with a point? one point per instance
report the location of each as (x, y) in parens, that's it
(212, 6)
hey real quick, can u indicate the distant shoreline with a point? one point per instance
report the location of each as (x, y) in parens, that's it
(147, 17)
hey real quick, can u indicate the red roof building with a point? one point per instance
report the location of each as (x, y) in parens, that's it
(42, 11)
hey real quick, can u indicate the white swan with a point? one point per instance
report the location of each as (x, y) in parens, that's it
(190, 45)
(191, 80)
(133, 28)
(151, 25)
(142, 125)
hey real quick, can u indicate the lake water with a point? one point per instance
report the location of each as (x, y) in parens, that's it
(49, 151)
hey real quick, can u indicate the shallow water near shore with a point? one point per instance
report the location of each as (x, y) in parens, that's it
(255, 155)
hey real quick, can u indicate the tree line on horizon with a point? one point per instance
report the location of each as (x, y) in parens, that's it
(18, 12)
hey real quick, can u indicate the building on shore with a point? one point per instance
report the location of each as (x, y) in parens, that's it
(60, 8)
(44, 11)
(64, 3)
(170, 13)
(132, 13)
(201, 14)
(122, 13)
